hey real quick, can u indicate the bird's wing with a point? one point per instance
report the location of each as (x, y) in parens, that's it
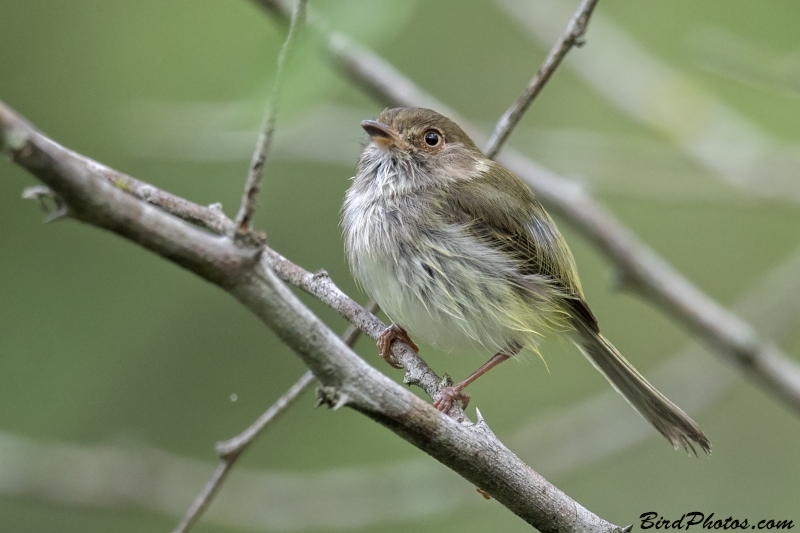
(500, 210)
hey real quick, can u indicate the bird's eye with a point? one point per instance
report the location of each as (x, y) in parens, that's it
(432, 138)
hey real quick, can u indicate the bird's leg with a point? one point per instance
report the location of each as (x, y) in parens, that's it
(385, 343)
(456, 392)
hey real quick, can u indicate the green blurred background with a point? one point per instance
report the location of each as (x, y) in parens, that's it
(118, 369)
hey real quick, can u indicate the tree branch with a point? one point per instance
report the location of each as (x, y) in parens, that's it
(565, 439)
(641, 269)
(573, 36)
(472, 450)
(256, 173)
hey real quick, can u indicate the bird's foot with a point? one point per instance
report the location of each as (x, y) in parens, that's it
(385, 343)
(450, 395)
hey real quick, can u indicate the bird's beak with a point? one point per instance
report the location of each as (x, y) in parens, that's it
(381, 133)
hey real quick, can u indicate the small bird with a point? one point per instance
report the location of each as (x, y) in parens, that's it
(458, 251)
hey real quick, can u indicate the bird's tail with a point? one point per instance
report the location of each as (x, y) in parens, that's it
(665, 416)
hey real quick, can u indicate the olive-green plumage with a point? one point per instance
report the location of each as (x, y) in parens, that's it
(456, 249)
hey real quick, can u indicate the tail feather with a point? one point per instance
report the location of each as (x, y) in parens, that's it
(666, 417)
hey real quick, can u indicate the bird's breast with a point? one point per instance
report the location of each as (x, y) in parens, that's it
(431, 277)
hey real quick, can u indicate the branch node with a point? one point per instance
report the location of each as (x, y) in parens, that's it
(410, 377)
(228, 450)
(321, 274)
(147, 193)
(250, 239)
(446, 381)
(37, 192)
(216, 206)
(330, 396)
(44, 195)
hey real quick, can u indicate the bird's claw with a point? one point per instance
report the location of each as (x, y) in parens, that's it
(385, 344)
(450, 395)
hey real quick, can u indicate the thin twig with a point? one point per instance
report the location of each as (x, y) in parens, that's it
(211, 218)
(471, 450)
(230, 450)
(641, 268)
(211, 488)
(233, 448)
(256, 173)
(573, 36)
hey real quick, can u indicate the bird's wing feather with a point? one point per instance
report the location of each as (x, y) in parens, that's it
(500, 209)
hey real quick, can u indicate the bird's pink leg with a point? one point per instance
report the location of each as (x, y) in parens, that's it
(456, 392)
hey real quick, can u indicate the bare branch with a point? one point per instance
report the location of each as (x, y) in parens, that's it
(471, 450)
(642, 270)
(206, 496)
(256, 174)
(230, 450)
(565, 439)
(210, 218)
(573, 36)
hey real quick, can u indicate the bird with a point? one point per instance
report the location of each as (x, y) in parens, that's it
(457, 250)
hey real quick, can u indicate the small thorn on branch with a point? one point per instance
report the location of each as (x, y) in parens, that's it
(342, 400)
(480, 423)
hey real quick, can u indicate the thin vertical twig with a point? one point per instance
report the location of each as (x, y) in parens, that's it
(230, 450)
(267, 131)
(573, 36)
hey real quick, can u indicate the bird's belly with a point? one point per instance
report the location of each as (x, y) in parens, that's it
(449, 293)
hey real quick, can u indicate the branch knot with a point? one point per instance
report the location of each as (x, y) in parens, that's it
(331, 396)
